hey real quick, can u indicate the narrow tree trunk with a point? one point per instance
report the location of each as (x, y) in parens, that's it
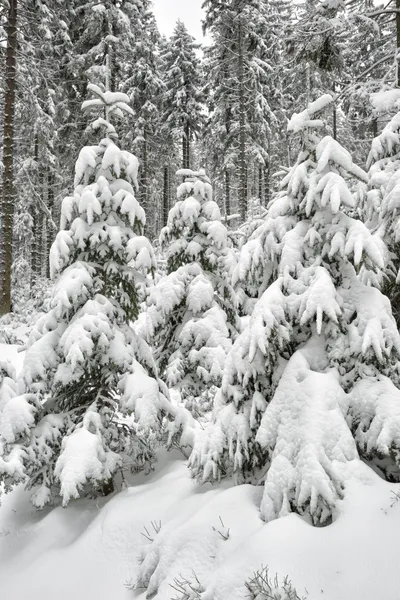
(186, 146)
(165, 196)
(227, 193)
(334, 121)
(144, 178)
(7, 201)
(50, 233)
(267, 183)
(37, 229)
(45, 224)
(242, 127)
(308, 84)
(260, 185)
(398, 40)
(188, 161)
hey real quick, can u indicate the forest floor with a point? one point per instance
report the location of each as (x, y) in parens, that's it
(94, 549)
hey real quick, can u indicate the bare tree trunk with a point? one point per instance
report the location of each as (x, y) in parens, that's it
(45, 224)
(398, 40)
(242, 192)
(186, 146)
(50, 233)
(166, 196)
(334, 119)
(145, 175)
(37, 228)
(260, 185)
(308, 84)
(267, 183)
(7, 201)
(227, 193)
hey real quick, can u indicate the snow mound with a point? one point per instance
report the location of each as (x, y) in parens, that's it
(215, 533)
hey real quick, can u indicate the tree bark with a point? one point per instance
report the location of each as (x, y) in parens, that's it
(398, 40)
(267, 183)
(166, 196)
(242, 192)
(227, 193)
(7, 201)
(260, 185)
(145, 175)
(186, 146)
(50, 233)
(334, 119)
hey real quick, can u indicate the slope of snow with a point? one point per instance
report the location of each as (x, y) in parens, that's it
(11, 353)
(94, 549)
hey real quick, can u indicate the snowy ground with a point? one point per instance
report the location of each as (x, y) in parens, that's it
(91, 550)
(94, 550)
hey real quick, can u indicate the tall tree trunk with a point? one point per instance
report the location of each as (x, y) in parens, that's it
(398, 40)
(227, 193)
(308, 84)
(334, 119)
(145, 175)
(242, 192)
(260, 185)
(45, 228)
(186, 146)
(36, 246)
(7, 201)
(50, 232)
(267, 183)
(165, 196)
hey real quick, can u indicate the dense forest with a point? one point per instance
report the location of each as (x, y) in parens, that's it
(199, 253)
(223, 107)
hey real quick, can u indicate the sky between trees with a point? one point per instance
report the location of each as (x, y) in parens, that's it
(189, 11)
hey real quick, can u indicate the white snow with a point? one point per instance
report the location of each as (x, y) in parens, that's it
(92, 549)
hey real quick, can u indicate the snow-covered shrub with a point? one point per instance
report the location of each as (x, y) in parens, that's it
(191, 311)
(262, 587)
(280, 415)
(90, 400)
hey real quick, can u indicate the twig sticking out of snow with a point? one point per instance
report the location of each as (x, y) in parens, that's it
(187, 589)
(224, 532)
(156, 525)
(262, 587)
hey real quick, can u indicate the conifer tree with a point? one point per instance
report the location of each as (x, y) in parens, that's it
(183, 108)
(380, 206)
(84, 364)
(242, 66)
(192, 309)
(290, 408)
(143, 83)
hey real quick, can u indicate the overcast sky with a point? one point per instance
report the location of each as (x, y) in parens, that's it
(189, 11)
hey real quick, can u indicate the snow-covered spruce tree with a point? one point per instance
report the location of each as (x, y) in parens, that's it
(280, 416)
(84, 364)
(381, 205)
(145, 88)
(182, 104)
(192, 309)
(242, 66)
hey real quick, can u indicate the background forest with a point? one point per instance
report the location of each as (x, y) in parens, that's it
(224, 107)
